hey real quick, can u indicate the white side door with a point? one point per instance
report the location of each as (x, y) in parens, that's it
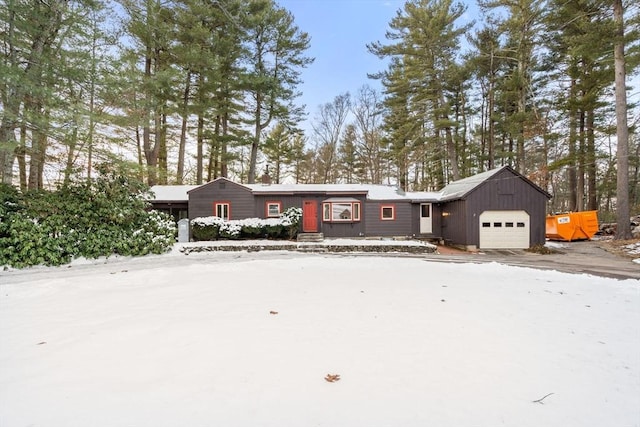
(426, 223)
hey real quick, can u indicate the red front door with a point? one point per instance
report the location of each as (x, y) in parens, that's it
(309, 216)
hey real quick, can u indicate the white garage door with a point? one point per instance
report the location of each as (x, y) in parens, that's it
(504, 230)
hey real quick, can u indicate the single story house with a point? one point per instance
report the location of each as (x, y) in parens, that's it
(499, 208)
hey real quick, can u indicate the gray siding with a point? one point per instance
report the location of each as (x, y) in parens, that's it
(344, 229)
(400, 226)
(454, 222)
(202, 199)
(329, 229)
(504, 191)
(287, 201)
(436, 220)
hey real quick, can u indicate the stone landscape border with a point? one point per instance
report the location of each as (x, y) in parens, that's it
(312, 247)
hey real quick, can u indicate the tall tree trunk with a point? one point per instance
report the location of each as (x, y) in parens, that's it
(161, 144)
(253, 157)
(146, 129)
(200, 148)
(224, 168)
(183, 130)
(590, 158)
(214, 151)
(581, 167)
(573, 138)
(21, 155)
(623, 230)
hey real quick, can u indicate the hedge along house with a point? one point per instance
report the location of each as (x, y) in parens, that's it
(496, 209)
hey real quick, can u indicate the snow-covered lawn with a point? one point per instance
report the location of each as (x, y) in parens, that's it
(249, 341)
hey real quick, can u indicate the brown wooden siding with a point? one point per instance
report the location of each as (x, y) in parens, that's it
(202, 199)
(454, 222)
(329, 229)
(504, 191)
(287, 201)
(436, 220)
(400, 226)
(343, 229)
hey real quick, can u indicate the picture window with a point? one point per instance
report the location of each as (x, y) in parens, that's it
(341, 211)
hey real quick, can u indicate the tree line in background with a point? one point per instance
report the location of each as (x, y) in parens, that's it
(184, 91)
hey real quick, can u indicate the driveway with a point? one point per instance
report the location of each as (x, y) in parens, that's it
(588, 257)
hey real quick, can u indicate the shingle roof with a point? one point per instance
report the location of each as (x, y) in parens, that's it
(173, 193)
(462, 187)
(454, 190)
(373, 192)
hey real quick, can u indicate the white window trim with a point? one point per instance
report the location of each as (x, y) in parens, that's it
(224, 206)
(269, 205)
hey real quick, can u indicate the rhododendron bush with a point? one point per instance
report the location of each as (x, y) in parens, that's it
(213, 227)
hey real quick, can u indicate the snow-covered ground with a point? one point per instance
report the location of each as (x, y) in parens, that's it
(247, 340)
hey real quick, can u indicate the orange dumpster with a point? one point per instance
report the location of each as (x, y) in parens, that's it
(572, 226)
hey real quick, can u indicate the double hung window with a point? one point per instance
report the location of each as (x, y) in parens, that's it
(273, 209)
(222, 210)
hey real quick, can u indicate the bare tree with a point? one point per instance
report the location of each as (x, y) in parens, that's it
(368, 118)
(327, 128)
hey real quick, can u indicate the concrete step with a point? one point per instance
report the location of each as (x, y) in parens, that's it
(312, 249)
(310, 237)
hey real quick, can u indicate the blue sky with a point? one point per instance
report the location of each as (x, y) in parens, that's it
(340, 31)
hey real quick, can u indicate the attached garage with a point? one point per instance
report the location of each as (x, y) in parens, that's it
(504, 230)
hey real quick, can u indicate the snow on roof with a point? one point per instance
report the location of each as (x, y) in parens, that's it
(173, 193)
(373, 192)
(424, 196)
(463, 186)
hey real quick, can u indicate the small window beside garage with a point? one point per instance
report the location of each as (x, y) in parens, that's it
(387, 212)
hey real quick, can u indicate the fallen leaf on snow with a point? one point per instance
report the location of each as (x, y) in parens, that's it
(332, 378)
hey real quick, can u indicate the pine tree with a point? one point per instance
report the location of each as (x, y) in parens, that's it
(425, 41)
(275, 57)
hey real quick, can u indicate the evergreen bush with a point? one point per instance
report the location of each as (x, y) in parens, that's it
(107, 216)
(213, 227)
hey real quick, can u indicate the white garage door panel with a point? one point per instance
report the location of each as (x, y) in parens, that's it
(504, 230)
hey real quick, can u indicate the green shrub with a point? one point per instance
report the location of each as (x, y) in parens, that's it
(213, 228)
(107, 216)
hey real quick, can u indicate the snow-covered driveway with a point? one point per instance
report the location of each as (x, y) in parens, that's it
(248, 342)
